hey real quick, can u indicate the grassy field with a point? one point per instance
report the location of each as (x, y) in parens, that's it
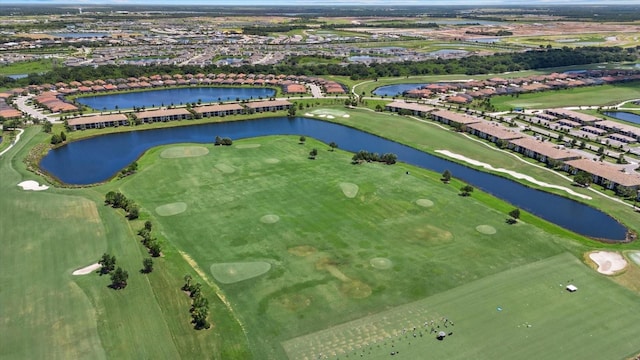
(27, 67)
(584, 96)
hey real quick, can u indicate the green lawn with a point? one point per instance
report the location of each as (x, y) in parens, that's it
(27, 67)
(585, 96)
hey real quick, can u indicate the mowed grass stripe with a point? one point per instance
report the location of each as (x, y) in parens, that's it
(517, 314)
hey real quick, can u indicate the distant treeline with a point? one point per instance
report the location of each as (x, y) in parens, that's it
(471, 65)
(382, 24)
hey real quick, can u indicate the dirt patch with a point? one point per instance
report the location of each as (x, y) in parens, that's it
(294, 302)
(424, 202)
(302, 250)
(183, 151)
(355, 289)
(87, 269)
(608, 262)
(486, 229)
(431, 234)
(272, 161)
(270, 219)
(229, 273)
(349, 190)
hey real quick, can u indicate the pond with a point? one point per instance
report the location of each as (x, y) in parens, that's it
(166, 97)
(97, 159)
(397, 89)
(624, 116)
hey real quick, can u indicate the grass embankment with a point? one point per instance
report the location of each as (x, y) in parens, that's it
(584, 96)
(51, 314)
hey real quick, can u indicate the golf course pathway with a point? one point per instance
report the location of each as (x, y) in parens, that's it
(13, 143)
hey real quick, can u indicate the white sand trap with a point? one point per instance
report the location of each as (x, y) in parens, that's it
(270, 219)
(183, 151)
(308, 114)
(516, 175)
(229, 273)
(608, 262)
(322, 115)
(424, 202)
(272, 161)
(248, 146)
(349, 190)
(227, 169)
(381, 263)
(486, 229)
(346, 115)
(330, 117)
(635, 257)
(87, 269)
(32, 185)
(171, 209)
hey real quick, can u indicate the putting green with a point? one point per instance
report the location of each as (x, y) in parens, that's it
(183, 151)
(349, 190)
(486, 229)
(227, 169)
(381, 263)
(247, 146)
(424, 202)
(229, 273)
(272, 161)
(171, 209)
(270, 219)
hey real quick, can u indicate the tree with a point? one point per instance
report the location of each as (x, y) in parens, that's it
(55, 139)
(63, 136)
(187, 283)
(147, 265)
(107, 263)
(148, 225)
(133, 211)
(46, 126)
(154, 249)
(582, 178)
(446, 176)
(466, 190)
(292, 111)
(119, 279)
(333, 145)
(302, 139)
(313, 153)
(515, 215)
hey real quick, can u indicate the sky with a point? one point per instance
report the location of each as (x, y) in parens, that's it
(328, 2)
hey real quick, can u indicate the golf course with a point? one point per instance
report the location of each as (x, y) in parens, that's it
(304, 257)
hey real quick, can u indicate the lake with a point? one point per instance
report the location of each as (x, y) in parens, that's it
(624, 116)
(396, 90)
(176, 96)
(97, 159)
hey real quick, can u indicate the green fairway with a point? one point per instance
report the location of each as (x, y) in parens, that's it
(27, 67)
(584, 96)
(294, 240)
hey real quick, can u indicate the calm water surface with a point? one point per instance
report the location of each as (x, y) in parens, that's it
(97, 159)
(624, 116)
(397, 89)
(166, 97)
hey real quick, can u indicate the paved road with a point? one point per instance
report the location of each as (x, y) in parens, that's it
(21, 101)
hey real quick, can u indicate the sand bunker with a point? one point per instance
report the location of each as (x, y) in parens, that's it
(302, 250)
(349, 190)
(381, 263)
(328, 112)
(424, 202)
(486, 229)
(272, 161)
(227, 169)
(247, 146)
(32, 185)
(345, 115)
(229, 273)
(183, 151)
(270, 219)
(608, 262)
(516, 175)
(330, 117)
(87, 269)
(171, 209)
(308, 114)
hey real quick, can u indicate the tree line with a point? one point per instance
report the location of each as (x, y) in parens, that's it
(497, 63)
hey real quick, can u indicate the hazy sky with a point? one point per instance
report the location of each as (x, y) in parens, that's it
(325, 2)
